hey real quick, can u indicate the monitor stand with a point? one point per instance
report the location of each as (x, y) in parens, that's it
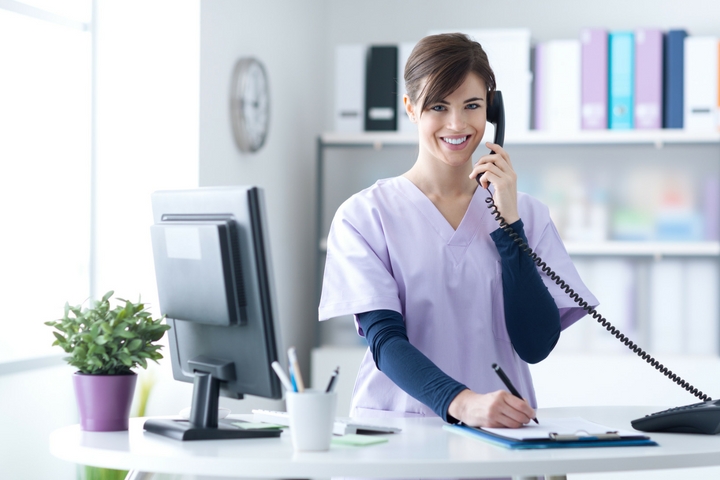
(203, 423)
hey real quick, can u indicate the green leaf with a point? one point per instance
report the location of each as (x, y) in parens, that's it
(135, 344)
(107, 296)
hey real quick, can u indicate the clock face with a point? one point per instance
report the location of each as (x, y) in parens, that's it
(250, 104)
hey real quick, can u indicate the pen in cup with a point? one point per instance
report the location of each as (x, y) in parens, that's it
(281, 375)
(333, 380)
(508, 384)
(295, 370)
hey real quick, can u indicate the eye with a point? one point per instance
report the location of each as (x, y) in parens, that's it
(472, 106)
(438, 108)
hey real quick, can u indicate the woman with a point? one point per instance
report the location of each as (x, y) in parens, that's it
(438, 290)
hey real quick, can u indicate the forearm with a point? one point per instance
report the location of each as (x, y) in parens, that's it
(405, 365)
(531, 315)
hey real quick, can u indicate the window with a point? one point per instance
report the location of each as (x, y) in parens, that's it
(45, 167)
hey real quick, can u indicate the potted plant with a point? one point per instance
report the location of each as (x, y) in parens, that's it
(105, 343)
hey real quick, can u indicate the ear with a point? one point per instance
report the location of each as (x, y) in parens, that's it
(410, 108)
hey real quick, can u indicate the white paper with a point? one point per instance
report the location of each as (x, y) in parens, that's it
(562, 426)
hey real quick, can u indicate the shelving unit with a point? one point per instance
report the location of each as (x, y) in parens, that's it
(644, 252)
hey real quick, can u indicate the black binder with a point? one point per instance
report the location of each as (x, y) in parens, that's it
(381, 88)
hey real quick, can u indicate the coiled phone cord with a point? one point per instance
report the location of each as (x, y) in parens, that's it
(590, 310)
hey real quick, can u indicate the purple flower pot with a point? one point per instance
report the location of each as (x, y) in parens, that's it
(104, 400)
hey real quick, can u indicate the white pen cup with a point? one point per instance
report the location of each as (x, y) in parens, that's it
(312, 415)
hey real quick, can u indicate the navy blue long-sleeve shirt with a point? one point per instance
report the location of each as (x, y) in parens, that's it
(531, 317)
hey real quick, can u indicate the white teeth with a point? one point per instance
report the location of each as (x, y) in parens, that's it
(455, 141)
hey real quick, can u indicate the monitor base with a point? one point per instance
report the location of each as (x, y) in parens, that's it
(183, 430)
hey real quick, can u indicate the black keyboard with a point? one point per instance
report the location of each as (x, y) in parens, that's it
(696, 418)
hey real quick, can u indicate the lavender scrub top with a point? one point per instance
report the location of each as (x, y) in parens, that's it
(390, 248)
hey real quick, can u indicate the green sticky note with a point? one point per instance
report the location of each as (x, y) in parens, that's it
(257, 426)
(358, 440)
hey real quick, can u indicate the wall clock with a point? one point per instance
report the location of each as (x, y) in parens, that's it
(250, 104)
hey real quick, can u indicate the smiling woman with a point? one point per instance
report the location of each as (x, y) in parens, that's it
(439, 292)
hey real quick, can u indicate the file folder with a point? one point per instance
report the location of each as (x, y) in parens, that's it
(555, 433)
(381, 88)
(594, 79)
(350, 88)
(622, 81)
(673, 78)
(648, 78)
(558, 85)
(701, 83)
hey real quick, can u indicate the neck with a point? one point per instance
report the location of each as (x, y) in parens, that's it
(435, 178)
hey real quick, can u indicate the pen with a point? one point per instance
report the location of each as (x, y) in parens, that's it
(295, 369)
(333, 378)
(508, 384)
(281, 375)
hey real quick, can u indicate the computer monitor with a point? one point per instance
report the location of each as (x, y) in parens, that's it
(216, 289)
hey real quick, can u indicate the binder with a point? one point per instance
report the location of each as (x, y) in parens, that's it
(555, 433)
(673, 78)
(381, 88)
(404, 123)
(557, 86)
(621, 78)
(350, 87)
(701, 83)
(594, 78)
(648, 78)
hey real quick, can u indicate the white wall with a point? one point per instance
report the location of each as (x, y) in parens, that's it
(288, 37)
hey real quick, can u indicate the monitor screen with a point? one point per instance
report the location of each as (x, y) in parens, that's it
(216, 289)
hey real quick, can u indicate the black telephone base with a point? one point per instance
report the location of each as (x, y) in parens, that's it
(696, 418)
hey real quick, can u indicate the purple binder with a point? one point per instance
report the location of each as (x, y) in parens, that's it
(594, 78)
(648, 78)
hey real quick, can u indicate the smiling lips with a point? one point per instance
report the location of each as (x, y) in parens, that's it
(456, 142)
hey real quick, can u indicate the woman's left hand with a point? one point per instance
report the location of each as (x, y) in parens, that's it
(496, 168)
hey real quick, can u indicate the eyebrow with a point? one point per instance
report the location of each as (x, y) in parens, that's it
(474, 99)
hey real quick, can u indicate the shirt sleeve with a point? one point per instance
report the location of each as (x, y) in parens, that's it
(531, 316)
(358, 273)
(405, 365)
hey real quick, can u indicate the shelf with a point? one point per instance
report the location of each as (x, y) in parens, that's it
(631, 249)
(534, 137)
(639, 249)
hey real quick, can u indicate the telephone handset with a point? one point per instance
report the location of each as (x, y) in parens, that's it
(495, 114)
(662, 421)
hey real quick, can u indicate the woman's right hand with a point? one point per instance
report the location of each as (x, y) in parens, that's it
(499, 409)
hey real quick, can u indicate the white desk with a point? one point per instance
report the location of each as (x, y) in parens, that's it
(422, 450)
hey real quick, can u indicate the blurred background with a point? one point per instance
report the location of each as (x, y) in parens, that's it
(103, 102)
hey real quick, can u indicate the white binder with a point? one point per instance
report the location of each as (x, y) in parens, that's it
(701, 83)
(559, 86)
(349, 109)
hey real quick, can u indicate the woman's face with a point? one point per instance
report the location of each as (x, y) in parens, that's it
(451, 129)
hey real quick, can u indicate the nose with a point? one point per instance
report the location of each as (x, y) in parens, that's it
(457, 120)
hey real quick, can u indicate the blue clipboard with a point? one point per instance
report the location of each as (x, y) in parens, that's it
(579, 442)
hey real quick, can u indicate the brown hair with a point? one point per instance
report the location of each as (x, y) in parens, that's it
(445, 60)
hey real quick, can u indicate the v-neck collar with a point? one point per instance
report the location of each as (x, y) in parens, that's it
(466, 231)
